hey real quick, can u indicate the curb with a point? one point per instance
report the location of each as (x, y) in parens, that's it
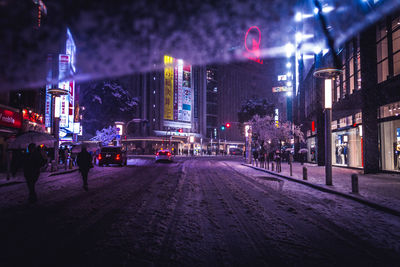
(11, 183)
(328, 190)
(60, 173)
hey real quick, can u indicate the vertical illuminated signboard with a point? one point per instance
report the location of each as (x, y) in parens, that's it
(63, 73)
(49, 78)
(178, 95)
(187, 95)
(180, 90)
(70, 49)
(276, 117)
(168, 88)
(71, 106)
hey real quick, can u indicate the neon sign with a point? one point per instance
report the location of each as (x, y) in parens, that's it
(251, 39)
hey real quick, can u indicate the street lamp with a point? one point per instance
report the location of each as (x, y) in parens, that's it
(55, 106)
(328, 74)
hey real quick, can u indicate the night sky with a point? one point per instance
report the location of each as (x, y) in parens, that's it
(124, 37)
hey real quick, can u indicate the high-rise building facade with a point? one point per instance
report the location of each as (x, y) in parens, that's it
(366, 101)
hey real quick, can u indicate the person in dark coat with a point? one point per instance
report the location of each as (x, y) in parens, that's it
(84, 161)
(33, 161)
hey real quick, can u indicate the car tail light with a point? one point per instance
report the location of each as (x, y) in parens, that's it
(118, 157)
(100, 157)
(157, 154)
(168, 154)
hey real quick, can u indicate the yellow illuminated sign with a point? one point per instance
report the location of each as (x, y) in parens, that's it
(168, 88)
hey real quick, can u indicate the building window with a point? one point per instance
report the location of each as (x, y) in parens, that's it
(389, 110)
(358, 69)
(351, 75)
(347, 148)
(337, 82)
(396, 51)
(389, 132)
(382, 52)
(344, 76)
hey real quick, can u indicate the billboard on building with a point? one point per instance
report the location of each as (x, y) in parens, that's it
(63, 73)
(178, 95)
(70, 49)
(10, 118)
(168, 88)
(187, 95)
(278, 89)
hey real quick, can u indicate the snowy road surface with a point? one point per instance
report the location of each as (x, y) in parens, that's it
(193, 212)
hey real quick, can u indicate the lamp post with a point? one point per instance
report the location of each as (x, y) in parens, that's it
(328, 74)
(55, 113)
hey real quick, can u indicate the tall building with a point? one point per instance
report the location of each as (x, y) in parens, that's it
(366, 101)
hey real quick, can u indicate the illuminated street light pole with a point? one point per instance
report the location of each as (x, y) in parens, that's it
(328, 74)
(55, 106)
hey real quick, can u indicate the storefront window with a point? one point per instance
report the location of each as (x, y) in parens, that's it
(390, 110)
(390, 145)
(312, 150)
(347, 148)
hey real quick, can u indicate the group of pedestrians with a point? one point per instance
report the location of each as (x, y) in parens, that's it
(34, 160)
(261, 156)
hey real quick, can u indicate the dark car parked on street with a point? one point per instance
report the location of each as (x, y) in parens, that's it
(112, 155)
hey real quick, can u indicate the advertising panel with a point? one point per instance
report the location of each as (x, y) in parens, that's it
(70, 49)
(178, 95)
(175, 90)
(47, 112)
(187, 95)
(278, 89)
(63, 72)
(76, 112)
(64, 111)
(63, 67)
(168, 88)
(71, 107)
(180, 88)
(10, 118)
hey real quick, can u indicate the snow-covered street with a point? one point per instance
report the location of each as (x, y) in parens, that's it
(193, 212)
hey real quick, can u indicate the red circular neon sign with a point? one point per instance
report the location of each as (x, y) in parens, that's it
(255, 44)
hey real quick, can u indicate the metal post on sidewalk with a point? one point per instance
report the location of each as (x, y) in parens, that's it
(291, 168)
(328, 146)
(354, 183)
(304, 173)
(272, 166)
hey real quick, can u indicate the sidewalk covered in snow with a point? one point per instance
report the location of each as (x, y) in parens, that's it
(381, 188)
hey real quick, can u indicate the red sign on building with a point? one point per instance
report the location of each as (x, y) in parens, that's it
(10, 118)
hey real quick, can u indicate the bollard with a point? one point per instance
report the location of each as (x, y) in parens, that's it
(291, 169)
(272, 166)
(53, 166)
(304, 173)
(354, 183)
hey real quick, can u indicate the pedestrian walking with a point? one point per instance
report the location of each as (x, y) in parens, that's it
(33, 161)
(278, 161)
(255, 156)
(84, 160)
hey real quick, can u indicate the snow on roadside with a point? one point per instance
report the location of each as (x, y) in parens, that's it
(369, 224)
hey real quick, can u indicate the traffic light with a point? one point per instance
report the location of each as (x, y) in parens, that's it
(228, 125)
(222, 128)
(180, 131)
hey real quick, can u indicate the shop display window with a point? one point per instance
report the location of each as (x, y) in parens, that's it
(347, 148)
(390, 145)
(311, 150)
